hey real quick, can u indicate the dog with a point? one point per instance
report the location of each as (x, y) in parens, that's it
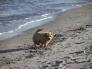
(42, 38)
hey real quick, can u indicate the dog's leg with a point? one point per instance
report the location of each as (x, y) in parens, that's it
(42, 45)
(45, 45)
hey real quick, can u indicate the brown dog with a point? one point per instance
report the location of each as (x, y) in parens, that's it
(42, 38)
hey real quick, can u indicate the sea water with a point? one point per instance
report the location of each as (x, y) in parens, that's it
(17, 16)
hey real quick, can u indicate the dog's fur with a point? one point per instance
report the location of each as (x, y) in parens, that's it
(42, 39)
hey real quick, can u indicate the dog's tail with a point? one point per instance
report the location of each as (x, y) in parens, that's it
(38, 30)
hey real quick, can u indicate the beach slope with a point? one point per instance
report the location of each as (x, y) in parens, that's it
(71, 47)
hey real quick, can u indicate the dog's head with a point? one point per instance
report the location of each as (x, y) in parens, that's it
(48, 35)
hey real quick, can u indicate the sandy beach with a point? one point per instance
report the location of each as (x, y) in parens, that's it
(71, 47)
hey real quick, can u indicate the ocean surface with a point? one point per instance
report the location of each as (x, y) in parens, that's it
(17, 16)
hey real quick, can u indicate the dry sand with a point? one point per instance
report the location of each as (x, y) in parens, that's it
(71, 47)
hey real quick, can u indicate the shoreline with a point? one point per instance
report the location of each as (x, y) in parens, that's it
(11, 34)
(32, 30)
(25, 27)
(71, 48)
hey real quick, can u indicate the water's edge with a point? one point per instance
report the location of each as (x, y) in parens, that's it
(32, 24)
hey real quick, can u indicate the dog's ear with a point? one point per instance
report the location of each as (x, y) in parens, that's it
(39, 30)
